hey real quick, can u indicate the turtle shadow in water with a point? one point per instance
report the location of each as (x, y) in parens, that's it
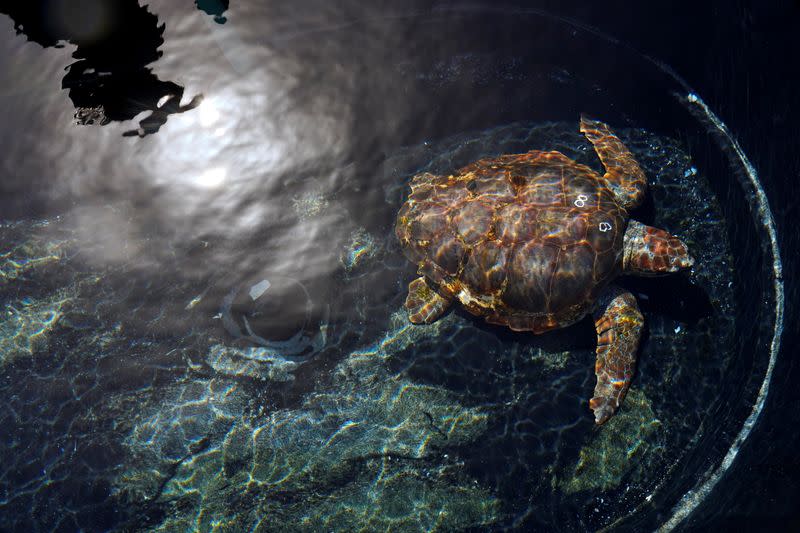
(675, 297)
(471, 355)
(578, 336)
(487, 364)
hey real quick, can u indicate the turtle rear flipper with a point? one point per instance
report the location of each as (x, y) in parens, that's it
(618, 323)
(623, 174)
(424, 305)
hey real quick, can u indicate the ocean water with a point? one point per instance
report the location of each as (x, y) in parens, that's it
(202, 324)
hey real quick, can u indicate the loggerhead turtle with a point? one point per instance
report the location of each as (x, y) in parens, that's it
(532, 241)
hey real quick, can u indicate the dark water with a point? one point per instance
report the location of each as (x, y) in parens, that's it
(202, 324)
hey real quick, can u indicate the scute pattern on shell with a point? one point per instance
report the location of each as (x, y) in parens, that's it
(526, 240)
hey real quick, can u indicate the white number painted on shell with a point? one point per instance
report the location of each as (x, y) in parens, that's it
(604, 226)
(581, 201)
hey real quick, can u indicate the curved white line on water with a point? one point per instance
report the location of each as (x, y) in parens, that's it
(696, 495)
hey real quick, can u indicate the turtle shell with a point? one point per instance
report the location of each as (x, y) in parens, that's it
(527, 240)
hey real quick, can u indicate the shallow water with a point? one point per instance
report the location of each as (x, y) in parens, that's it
(483, 425)
(202, 321)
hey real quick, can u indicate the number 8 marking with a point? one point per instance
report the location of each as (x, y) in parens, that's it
(581, 201)
(604, 226)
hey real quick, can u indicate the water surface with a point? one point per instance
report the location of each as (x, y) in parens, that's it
(202, 295)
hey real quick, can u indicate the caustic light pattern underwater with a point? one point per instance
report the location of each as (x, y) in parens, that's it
(359, 419)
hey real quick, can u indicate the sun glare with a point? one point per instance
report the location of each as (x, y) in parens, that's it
(208, 114)
(212, 177)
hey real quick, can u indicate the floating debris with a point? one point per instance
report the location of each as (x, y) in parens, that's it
(309, 204)
(361, 247)
(551, 360)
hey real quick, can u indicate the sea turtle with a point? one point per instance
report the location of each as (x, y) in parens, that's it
(532, 241)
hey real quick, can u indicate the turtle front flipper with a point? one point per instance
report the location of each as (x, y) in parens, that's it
(619, 324)
(424, 305)
(623, 175)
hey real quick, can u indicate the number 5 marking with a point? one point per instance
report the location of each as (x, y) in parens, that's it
(581, 201)
(604, 226)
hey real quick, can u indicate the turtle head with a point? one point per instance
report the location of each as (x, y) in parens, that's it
(650, 251)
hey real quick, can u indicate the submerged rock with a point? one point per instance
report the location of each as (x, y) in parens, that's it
(28, 313)
(28, 248)
(25, 324)
(255, 362)
(618, 449)
(370, 453)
